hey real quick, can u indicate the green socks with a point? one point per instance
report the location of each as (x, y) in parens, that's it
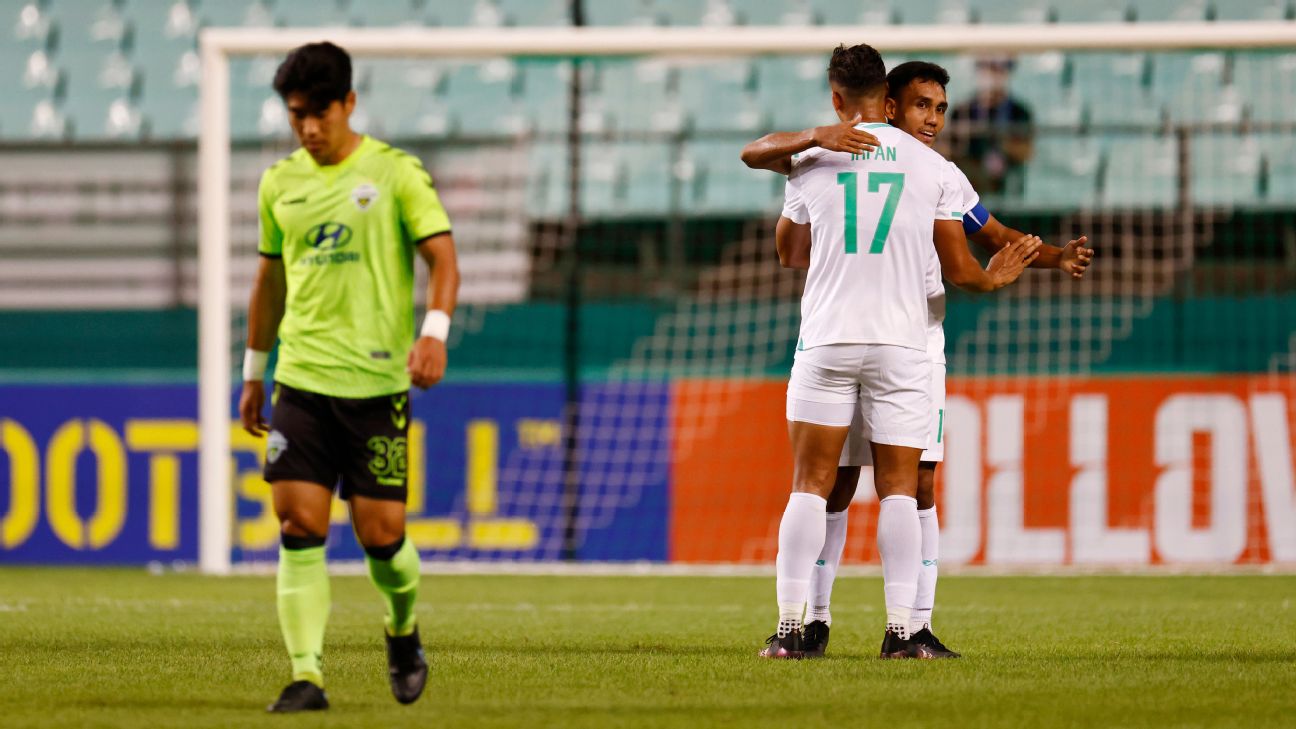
(397, 578)
(303, 597)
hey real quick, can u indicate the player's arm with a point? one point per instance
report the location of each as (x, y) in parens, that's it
(792, 241)
(774, 151)
(1074, 258)
(961, 269)
(427, 360)
(265, 312)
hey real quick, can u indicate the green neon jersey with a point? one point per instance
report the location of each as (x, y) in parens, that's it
(346, 233)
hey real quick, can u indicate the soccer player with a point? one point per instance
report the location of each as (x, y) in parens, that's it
(341, 219)
(916, 103)
(873, 217)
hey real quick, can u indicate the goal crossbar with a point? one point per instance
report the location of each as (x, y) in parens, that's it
(218, 45)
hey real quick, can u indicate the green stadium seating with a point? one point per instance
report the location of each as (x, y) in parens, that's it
(1037, 81)
(682, 12)
(1091, 11)
(1115, 87)
(1252, 9)
(311, 13)
(548, 181)
(1266, 84)
(635, 96)
(717, 182)
(481, 98)
(537, 13)
(794, 91)
(926, 12)
(762, 12)
(1168, 10)
(1190, 85)
(1140, 171)
(546, 87)
(235, 13)
(1279, 151)
(1062, 173)
(1011, 11)
(627, 179)
(718, 97)
(386, 13)
(1225, 170)
(850, 12)
(622, 12)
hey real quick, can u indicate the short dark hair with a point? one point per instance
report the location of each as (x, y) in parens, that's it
(319, 71)
(902, 75)
(858, 69)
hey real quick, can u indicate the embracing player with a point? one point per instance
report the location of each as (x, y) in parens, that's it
(341, 219)
(873, 218)
(916, 103)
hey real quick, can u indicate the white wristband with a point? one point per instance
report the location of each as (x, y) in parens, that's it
(436, 325)
(254, 364)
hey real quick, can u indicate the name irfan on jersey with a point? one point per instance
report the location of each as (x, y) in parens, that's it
(881, 154)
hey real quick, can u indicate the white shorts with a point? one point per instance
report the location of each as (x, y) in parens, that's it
(886, 385)
(856, 451)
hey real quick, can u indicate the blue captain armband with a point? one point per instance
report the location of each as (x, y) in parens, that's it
(975, 219)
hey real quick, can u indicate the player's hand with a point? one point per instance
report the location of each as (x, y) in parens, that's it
(1076, 258)
(251, 403)
(427, 362)
(1007, 265)
(844, 137)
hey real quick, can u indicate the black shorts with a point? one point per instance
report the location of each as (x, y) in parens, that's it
(358, 445)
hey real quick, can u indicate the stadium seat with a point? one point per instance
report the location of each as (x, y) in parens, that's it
(386, 14)
(236, 13)
(1037, 82)
(1168, 10)
(762, 12)
(170, 112)
(1279, 150)
(18, 111)
(626, 179)
(718, 97)
(1266, 82)
(548, 180)
(1190, 85)
(1011, 11)
(26, 22)
(1091, 11)
(634, 96)
(623, 12)
(1225, 170)
(1252, 9)
(535, 13)
(465, 13)
(793, 90)
(849, 12)
(544, 94)
(715, 181)
(103, 106)
(311, 13)
(1140, 171)
(482, 99)
(164, 31)
(691, 12)
(927, 12)
(1114, 87)
(1062, 174)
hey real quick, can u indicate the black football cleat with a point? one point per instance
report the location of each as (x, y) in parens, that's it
(893, 646)
(925, 638)
(406, 666)
(815, 640)
(300, 696)
(789, 647)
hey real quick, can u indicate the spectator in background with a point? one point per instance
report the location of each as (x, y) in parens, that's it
(991, 134)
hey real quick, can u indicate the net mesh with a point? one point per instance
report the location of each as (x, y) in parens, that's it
(618, 361)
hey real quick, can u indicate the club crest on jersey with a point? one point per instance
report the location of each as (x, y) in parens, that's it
(363, 196)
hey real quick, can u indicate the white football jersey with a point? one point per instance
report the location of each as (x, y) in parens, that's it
(870, 219)
(935, 285)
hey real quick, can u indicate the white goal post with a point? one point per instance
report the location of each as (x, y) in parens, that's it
(218, 45)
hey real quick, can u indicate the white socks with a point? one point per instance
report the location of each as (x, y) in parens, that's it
(899, 540)
(926, 596)
(801, 538)
(825, 570)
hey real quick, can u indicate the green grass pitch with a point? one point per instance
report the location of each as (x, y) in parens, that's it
(122, 648)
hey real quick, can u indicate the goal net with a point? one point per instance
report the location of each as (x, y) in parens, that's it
(618, 361)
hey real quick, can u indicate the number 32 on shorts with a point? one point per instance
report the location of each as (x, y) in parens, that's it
(849, 181)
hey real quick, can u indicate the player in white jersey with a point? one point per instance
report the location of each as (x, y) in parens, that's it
(916, 104)
(873, 219)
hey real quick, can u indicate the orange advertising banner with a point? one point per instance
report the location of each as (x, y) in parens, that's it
(1186, 470)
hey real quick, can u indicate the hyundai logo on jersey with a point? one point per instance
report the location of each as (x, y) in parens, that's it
(328, 236)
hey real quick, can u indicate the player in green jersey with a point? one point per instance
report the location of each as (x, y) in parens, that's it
(341, 219)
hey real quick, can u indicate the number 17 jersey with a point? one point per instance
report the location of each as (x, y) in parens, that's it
(871, 217)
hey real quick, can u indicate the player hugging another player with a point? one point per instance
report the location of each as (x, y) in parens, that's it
(341, 219)
(915, 104)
